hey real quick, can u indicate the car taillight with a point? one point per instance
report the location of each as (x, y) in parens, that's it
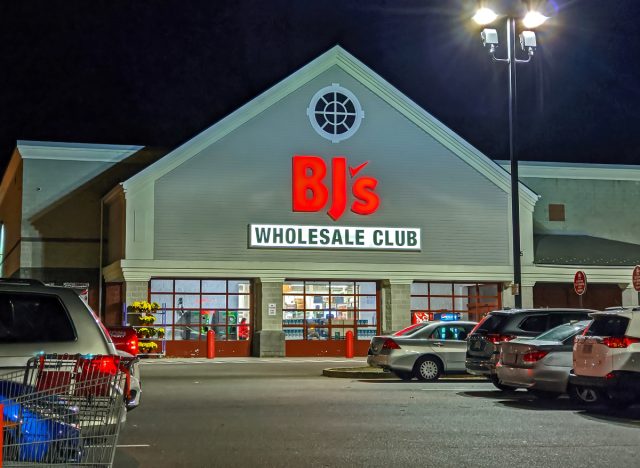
(390, 344)
(132, 345)
(534, 356)
(103, 365)
(619, 341)
(497, 338)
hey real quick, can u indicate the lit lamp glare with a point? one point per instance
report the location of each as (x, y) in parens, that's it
(533, 19)
(485, 16)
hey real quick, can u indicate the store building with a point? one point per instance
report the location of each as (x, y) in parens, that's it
(333, 203)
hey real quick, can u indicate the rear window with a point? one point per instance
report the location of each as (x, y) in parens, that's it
(563, 332)
(608, 326)
(534, 323)
(33, 318)
(491, 323)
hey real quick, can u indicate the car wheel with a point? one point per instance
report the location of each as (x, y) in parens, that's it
(403, 375)
(499, 385)
(542, 395)
(427, 369)
(585, 395)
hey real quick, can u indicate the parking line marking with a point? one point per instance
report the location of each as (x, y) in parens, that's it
(133, 445)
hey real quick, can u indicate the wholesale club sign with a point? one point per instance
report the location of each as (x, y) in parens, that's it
(313, 184)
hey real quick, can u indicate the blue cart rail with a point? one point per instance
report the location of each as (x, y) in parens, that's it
(63, 409)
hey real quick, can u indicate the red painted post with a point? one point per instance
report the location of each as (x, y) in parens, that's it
(211, 344)
(349, 337)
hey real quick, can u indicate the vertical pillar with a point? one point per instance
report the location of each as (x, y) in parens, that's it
(268, 338)
(135, 291)
(629, 296)
(396, 305)
(527, 297)
(508, 299)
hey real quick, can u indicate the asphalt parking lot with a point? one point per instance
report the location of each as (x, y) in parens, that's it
(256, 412)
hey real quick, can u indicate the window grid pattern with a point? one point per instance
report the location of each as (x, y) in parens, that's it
(475, 299)
(193, 306)
(327, 310)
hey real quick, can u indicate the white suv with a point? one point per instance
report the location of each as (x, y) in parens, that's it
(606, 358)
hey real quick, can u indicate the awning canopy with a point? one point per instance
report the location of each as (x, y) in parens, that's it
(584, 250)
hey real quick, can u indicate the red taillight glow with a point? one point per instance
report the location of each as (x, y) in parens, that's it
(497, 338)
(132, 345)
(619, 341)
(534, 356)
(390, 344)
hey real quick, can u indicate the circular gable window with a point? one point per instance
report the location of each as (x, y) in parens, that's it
(335, 113)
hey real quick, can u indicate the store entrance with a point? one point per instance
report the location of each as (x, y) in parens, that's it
(317, 315)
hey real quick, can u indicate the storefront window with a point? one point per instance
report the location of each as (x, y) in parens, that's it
(190, 307)
(326, 310)
(448, 301)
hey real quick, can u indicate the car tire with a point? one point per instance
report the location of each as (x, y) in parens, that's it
(427, 369)
(404, 375)
(499, 385)
(544, 395)
(585, 396)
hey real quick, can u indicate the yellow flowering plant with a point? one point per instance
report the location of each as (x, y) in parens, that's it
(143, 307)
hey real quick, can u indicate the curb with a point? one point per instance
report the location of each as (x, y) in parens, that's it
(377, 373)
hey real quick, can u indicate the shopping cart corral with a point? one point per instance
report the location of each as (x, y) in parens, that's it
(63, 409)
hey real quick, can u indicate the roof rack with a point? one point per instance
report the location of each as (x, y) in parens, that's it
(24, 281)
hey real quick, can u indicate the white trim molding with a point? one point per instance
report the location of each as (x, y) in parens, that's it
(336, 56)
(75, 151)
(561, 170)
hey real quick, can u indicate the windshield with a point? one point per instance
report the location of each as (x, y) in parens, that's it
(563, 332)
(411, 329)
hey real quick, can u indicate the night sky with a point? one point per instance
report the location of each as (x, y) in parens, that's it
(156, 72)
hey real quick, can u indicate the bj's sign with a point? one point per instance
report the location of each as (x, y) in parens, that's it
(314, 183)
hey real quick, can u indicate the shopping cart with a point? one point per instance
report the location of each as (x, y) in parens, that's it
(63, 409)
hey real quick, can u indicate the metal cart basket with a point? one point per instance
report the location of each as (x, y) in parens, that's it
(63, 410)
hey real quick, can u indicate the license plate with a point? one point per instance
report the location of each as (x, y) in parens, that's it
(476, 345)
(587, 349)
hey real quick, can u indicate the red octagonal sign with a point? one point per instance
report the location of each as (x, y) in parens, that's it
(580, 283)
(636, 278)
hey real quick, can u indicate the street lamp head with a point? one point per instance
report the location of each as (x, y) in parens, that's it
(485, 16)
(489, 38)
(528, 42)
(533, 19)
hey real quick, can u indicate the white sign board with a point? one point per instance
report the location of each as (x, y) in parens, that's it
(272, 309)
(334, 237)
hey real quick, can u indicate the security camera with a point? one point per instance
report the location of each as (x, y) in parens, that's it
(489, 37)
(527, 40)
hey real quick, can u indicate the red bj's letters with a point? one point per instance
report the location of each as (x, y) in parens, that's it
(310, 193)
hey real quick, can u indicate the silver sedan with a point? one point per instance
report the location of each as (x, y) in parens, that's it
(433, 350)
(541, 365)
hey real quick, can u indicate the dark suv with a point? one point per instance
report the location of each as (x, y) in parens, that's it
(483, 343)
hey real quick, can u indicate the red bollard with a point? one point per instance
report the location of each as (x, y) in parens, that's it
(349, 337)
(211, 344)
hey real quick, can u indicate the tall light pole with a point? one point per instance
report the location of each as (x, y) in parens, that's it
(532, 19)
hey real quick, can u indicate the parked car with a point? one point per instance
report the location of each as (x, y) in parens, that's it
(435, 349)
(411, 329)
(541, 365)
(606, 358)
(35, 318)
(483, 345)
